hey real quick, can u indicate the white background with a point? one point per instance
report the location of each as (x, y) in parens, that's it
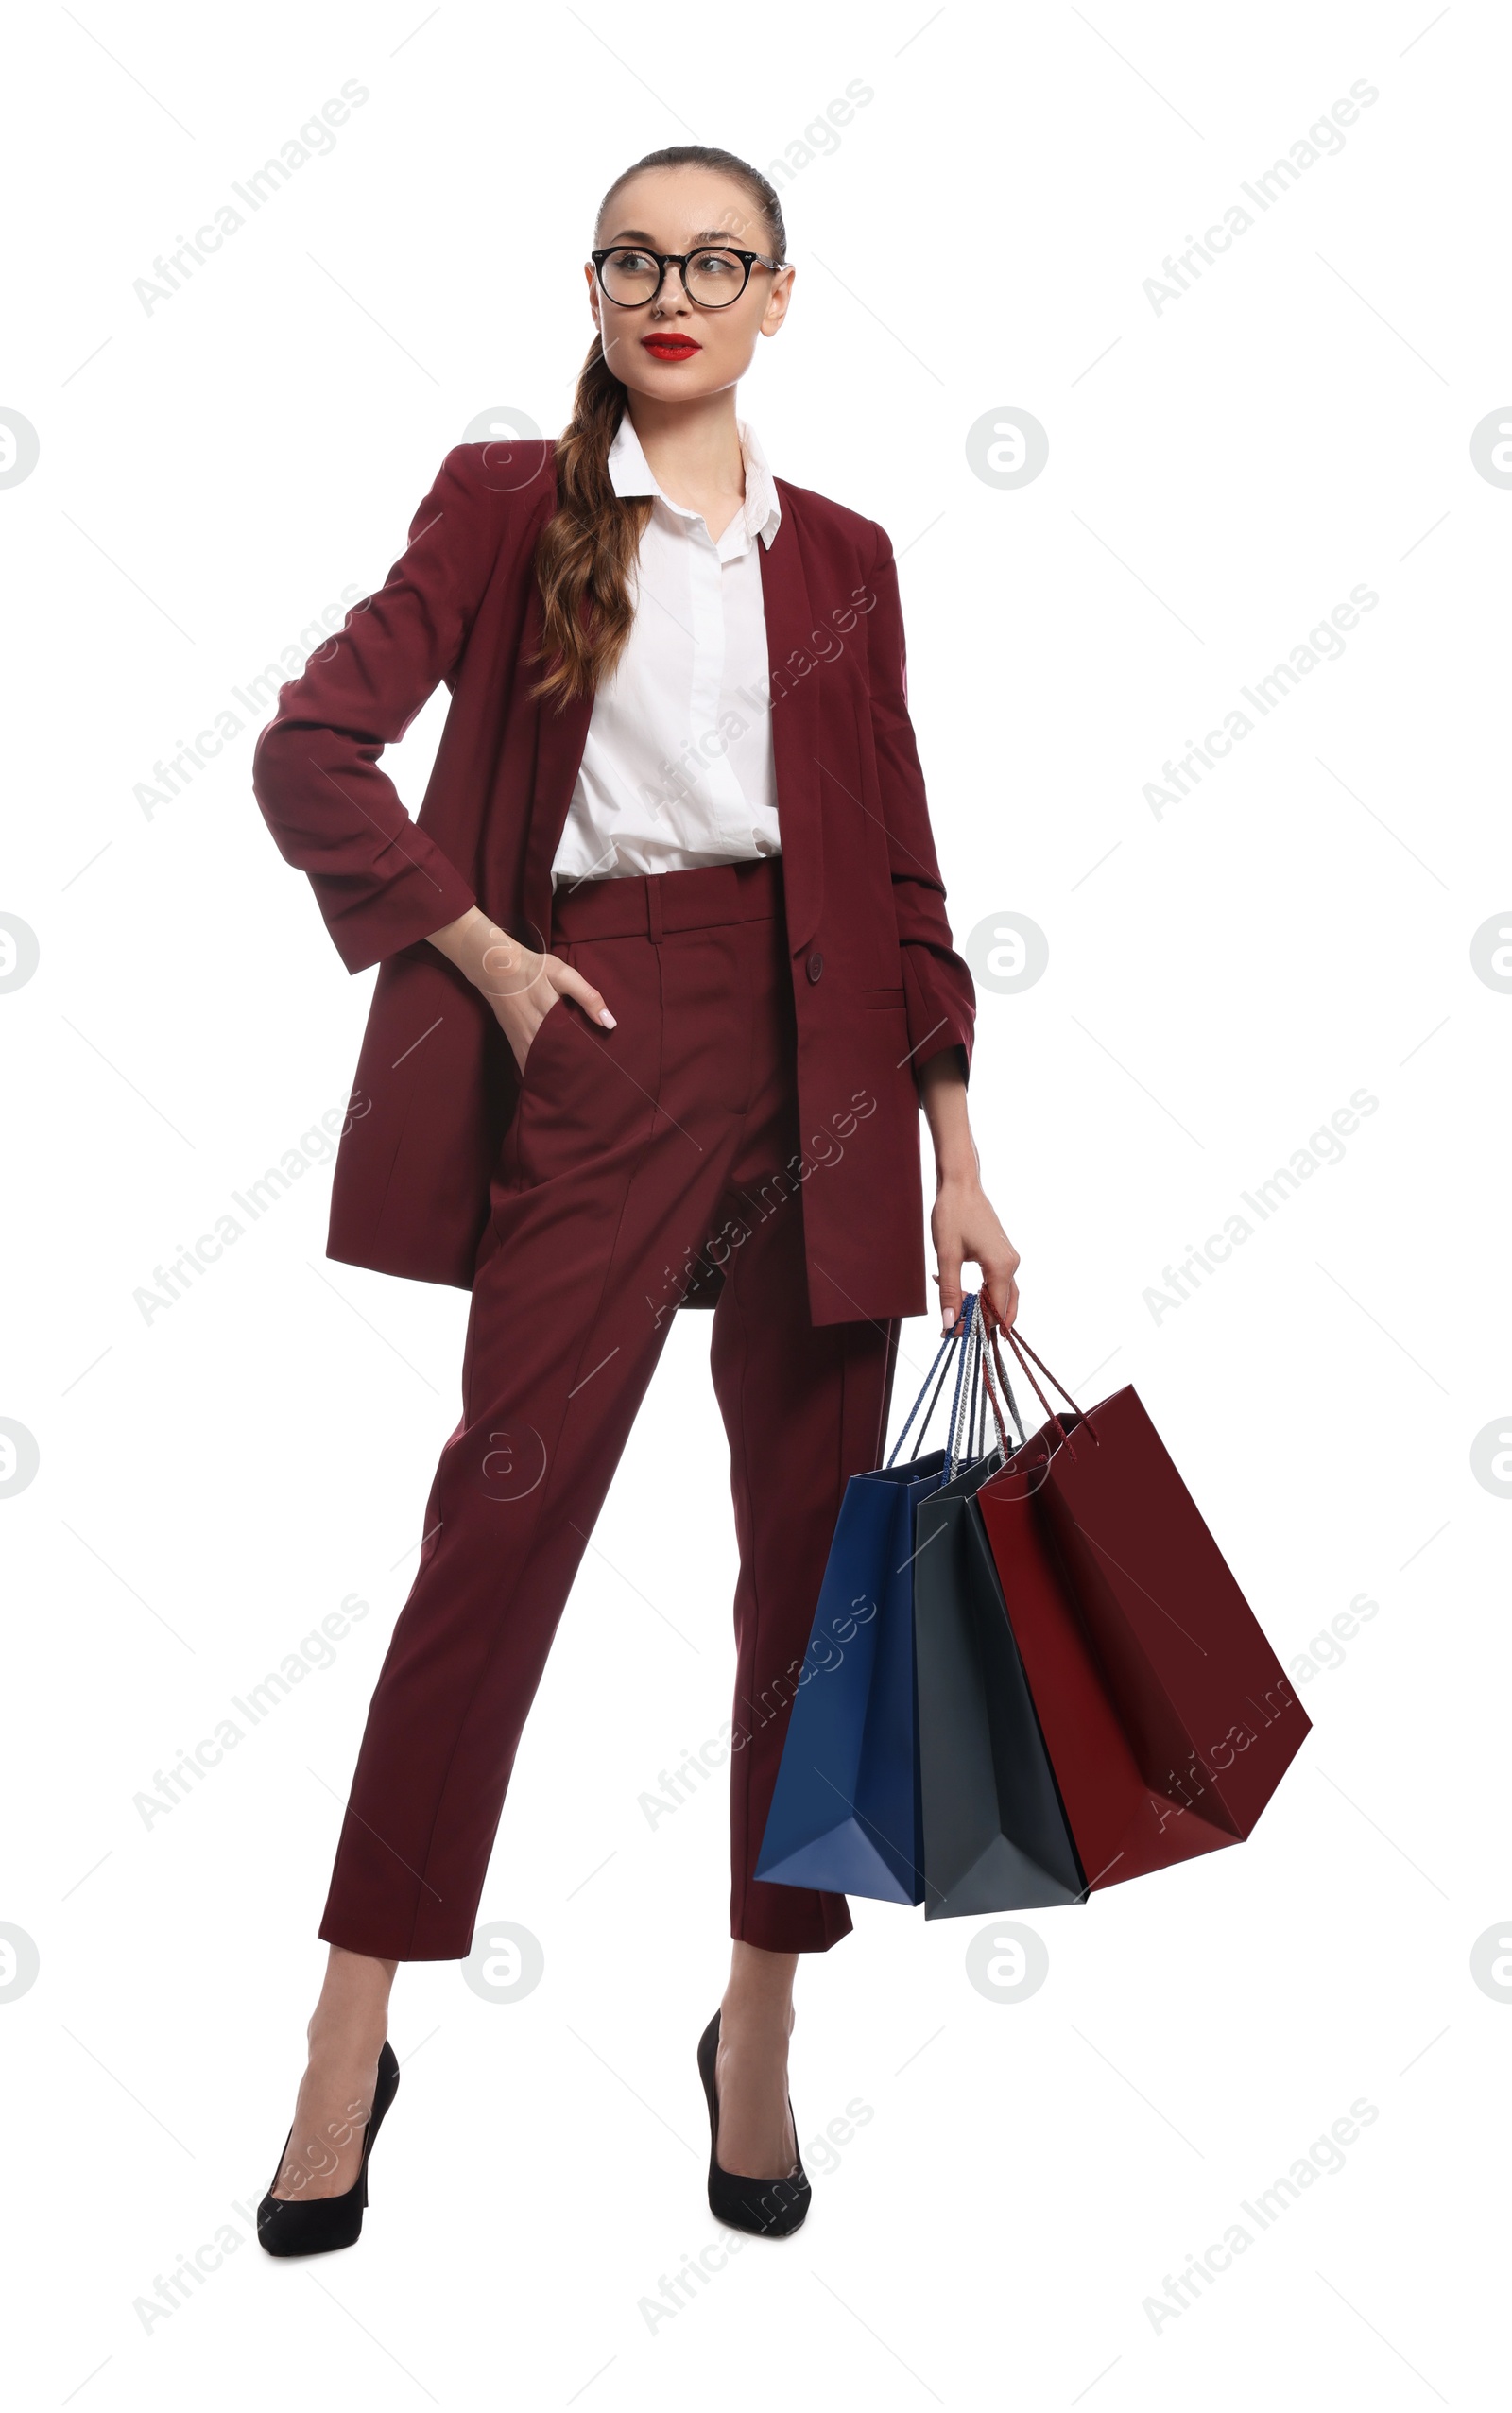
(1221, 978)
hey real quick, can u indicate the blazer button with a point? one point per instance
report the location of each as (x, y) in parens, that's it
(814, 965)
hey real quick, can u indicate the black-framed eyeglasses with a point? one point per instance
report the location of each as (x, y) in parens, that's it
(713, 278)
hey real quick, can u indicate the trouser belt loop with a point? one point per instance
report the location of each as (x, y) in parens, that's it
(653, 907)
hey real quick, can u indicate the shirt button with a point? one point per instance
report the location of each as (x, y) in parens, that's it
(814, 965)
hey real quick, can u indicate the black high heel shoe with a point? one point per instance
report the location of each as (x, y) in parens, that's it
(766, 2207)
(328, 2222)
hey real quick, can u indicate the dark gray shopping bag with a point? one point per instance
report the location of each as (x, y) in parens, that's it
(996, 1836)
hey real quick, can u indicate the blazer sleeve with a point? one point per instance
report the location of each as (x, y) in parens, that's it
(380, 882)
(938, 990)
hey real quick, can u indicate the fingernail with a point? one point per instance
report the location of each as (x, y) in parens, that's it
(607, 1019)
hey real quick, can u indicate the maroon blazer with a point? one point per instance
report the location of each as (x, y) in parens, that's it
(877, 985)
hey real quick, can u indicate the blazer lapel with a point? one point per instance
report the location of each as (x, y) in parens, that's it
(794, 736)
(560, 737)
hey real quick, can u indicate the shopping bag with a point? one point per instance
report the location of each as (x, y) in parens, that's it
(996, 1836)
(1168, 1720)
(1122, 1827)
(845, 1811)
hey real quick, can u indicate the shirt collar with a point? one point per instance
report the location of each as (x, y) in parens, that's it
(630, 474)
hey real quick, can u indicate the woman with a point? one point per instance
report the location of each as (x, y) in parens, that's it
(664, 974)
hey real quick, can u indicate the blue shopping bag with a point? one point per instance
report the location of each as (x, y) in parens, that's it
(845, 1811)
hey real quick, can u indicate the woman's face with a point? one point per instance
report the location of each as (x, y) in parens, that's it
(672, 348)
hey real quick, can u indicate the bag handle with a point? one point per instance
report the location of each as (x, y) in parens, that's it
(969, 1338)
(996, 1380)
(1023, 1352)
(969, 1334)
(939, 1366)
(984, 1393)
(976, 1405)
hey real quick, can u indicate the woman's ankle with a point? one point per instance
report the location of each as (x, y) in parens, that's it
(758, 2019)
(351, 2019)
(344, 2041)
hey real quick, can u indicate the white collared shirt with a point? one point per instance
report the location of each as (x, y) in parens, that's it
(678, 767)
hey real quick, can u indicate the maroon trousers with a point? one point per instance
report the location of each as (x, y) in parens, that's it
(636, 1159)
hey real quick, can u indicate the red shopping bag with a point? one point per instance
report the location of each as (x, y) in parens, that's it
(1168, 1720)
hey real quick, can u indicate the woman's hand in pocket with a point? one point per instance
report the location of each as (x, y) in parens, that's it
(522, 987)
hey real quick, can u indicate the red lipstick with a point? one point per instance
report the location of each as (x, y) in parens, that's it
(669, 347)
